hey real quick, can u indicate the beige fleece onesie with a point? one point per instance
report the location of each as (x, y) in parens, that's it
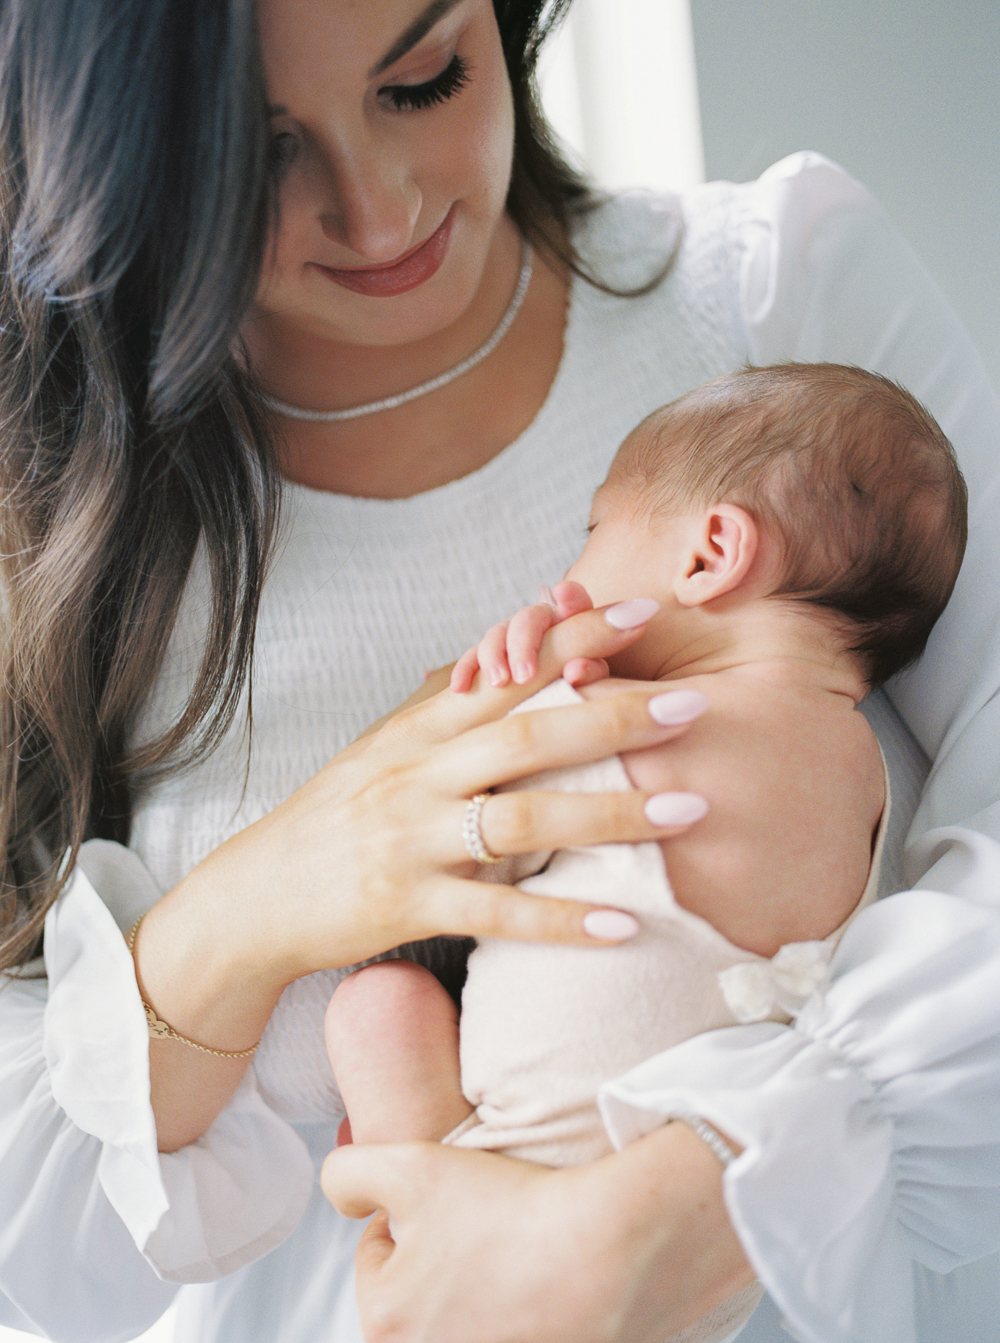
(544, 1026)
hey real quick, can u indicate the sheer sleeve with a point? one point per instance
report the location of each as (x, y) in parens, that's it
(78, 1138)
(871, 1126)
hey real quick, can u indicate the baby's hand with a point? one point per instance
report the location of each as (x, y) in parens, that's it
(510, 651)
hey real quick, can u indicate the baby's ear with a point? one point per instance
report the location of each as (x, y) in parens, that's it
(722, 548)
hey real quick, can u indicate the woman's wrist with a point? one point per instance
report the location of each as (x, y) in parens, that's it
(667, 1202)
(200, 968)
(162, 1030)
(194, 969)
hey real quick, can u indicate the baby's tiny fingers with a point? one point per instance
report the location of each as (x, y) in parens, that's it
(447, 718)
(585, 671)
(493, 656)
(464, 671)
(594, 634)
(525, 632)
(570, 598)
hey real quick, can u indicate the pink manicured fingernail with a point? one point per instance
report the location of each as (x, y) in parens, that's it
(629, 615)
(546, 596)
(675, 808)
(610, 925)
(677, 706)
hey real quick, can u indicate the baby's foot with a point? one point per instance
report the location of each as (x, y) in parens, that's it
(392, 1038)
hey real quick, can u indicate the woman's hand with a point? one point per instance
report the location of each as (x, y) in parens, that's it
(369, 854)
(477, 1248)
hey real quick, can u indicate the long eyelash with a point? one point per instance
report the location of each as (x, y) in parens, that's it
(415, 97)
(281, 150)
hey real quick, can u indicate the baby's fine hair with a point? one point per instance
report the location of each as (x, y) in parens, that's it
(847, 471)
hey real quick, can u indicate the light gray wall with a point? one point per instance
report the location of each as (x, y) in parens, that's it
(904, 93)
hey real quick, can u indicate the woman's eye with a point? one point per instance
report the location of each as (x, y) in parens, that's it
(415, 97)
(281, 151)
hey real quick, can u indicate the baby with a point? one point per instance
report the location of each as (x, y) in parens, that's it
(801, 528)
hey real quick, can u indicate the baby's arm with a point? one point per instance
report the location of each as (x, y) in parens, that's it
(510, 650)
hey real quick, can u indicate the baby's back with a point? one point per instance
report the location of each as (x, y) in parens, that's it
(796, 786)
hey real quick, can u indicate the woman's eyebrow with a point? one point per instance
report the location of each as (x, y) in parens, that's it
(418, 29)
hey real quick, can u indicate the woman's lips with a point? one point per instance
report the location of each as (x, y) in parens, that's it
(412, 269)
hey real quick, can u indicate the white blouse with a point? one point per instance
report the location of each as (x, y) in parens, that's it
(871, 1125)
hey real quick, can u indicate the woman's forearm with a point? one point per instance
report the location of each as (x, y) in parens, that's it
(667, 1202)
(195, 969)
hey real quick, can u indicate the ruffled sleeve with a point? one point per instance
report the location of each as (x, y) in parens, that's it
(871, 1126)
(868, 1127)
(78, 1138)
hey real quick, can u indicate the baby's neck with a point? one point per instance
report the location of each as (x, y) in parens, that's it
(781, 642)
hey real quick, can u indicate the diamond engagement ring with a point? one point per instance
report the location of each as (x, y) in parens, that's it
(472, 834)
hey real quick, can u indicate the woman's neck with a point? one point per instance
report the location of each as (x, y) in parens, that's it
(438, 437)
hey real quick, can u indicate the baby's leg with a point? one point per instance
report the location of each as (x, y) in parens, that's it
(392, 1037)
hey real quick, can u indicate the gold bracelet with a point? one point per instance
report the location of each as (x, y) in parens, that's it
(159, 1030)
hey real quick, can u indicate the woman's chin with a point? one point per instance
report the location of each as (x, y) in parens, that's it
(349, 319)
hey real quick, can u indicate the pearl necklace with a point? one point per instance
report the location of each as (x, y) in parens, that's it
(422, 389)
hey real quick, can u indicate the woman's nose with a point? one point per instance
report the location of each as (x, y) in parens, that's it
(372, 203)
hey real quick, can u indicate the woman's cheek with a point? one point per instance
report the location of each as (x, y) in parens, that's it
(483, 119)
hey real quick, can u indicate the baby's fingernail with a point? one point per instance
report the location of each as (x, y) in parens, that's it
(629, 615)
(610, 925)
(546, 596)
(497, 677)
(677, 706)
(522, 673)
(675, 808)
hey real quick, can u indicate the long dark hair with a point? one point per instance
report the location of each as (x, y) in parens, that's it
(545, 191)
(134, 211)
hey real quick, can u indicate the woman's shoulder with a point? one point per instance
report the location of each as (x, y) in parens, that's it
(806, 185)
(627, 235)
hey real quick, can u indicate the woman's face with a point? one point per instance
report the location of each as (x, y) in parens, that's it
(392, 129)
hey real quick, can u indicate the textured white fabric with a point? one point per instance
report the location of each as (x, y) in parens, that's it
(96, 1052)
(365, 596)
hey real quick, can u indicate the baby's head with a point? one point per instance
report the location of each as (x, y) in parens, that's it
(852, 482)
